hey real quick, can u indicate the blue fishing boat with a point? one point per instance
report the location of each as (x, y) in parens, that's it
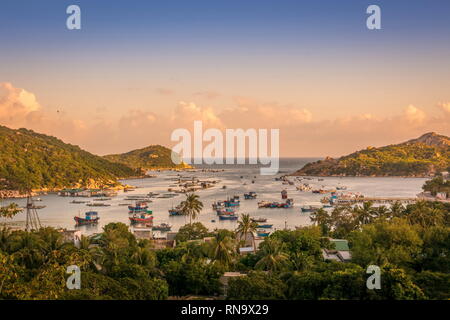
(262, 233)
(265, 226)
(231, 203)
(228, 217)
(177, 211)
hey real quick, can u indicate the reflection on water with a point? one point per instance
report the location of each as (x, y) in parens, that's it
(60, 212)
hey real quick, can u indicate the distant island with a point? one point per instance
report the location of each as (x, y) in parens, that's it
(425, 156)
(154, 157)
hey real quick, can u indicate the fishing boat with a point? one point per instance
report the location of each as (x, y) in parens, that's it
(265, 204)
(258, 219)
(250, 195)
(142, 218)
(140, 206)
(265, 226)
(228, 217)
(176, 211)
(232, 202)
(262, 233)
(225, 211)
(162, 227)
(311, 207)
(91, 217)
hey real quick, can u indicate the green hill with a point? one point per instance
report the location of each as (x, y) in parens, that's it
(148, 158)
(37, 161)
(421, 157)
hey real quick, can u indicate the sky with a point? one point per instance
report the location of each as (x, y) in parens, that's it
(137, 70)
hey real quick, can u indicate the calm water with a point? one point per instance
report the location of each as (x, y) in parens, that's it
(60, 212)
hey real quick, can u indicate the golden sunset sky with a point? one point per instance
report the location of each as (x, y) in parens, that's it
(133, 74)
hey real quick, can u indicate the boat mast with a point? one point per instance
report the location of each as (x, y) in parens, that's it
(33, 222)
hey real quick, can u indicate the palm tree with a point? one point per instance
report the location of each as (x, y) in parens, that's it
(223, 248)
(322, 219)
(274, 259)
(365, 214)
(396, 209)
(246, 225)
(191, 206)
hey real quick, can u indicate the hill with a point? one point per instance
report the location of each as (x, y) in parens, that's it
(37, 161)
(148, 158)
(422, 157)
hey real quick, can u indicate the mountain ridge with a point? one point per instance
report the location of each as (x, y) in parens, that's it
(152, 157)
(35, 161)
(420, 157)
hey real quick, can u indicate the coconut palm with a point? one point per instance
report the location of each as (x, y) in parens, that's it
(222, 248)
(396, 209)
(321, 218)
(246, 225)
(364, 214)
(191, 206)
(273, 258)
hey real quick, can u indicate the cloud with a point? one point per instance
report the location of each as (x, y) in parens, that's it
(414, 115)
(445, 107)
(300, 134)
(17, 106)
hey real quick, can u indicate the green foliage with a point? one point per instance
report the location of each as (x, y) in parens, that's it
(436, 185)
(435, 285)
(395, 242)
(192, 231)
(193, 277)
(30, 160)
(256, 286)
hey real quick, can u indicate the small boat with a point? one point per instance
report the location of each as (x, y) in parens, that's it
(102, 199)
(250, 195)
(224, 187)
(176, 211)
(91, 217)
(225, 211)
(228, 217)
(232, 202)
(311, 207)
(258, 219)
(162, 227)
(265, 226)
(143, 218)
(262, 233)
(37, 199)
(140, 206)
